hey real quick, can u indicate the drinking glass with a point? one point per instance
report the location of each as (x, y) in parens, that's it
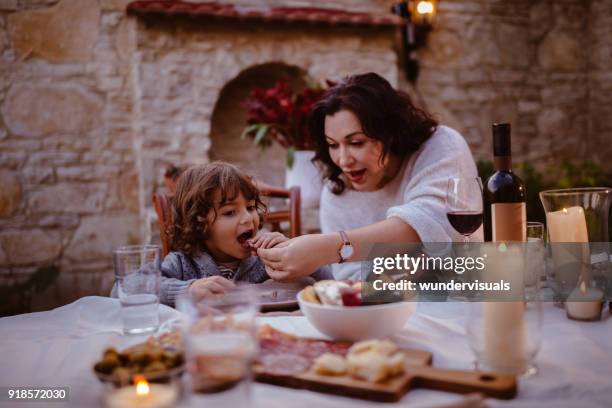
(138, 276)
(536, 253)
(535, 231)
(464, 205)
(220, 344)
(504, 329)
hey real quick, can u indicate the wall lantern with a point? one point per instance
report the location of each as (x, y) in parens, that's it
(418, 17)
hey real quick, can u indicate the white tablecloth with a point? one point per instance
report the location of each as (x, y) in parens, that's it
(59, 348)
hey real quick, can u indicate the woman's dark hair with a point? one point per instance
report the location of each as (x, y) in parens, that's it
(385, 114)
(194, 200)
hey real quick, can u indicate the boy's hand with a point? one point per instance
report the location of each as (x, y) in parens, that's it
(267, 240)
(208, 286)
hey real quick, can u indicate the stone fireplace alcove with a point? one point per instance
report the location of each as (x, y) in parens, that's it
(229, 119)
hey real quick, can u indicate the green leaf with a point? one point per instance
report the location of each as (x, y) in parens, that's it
(261, 134)
(248, 130)
(290, 156)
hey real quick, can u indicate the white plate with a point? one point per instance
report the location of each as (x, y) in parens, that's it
(279, 296)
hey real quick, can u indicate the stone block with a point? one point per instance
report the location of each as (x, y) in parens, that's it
(98, 236)
(8, 5)
(65, 32)
(560, 52)
(10, 193)
(39, 110)
(24, 247)
(54, 158)
(68, 197)
(129, 190)
(38, 175)
(3, 258)
(552, 122)
(59, 221)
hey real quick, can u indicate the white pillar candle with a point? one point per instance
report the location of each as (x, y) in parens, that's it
(504, 321)
(584, 303)
(139, 396)
(567, 225)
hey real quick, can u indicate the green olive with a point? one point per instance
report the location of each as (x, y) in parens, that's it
(110, 352)
(155, 367)
(122, 375)
(141, 358)
(107, 364)
(172, 358)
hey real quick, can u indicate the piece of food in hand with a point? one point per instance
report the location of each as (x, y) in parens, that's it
(328, 291)
(310, 295)
(350, 296)
(330, 364)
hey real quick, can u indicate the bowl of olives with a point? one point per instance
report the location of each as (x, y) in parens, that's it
(153, 360)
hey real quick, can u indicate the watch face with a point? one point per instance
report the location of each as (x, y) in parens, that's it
(346, 251)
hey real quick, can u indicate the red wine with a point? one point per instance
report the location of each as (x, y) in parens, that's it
(465, 222)
(505, 217)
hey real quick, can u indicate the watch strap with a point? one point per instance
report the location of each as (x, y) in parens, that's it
(345, 242)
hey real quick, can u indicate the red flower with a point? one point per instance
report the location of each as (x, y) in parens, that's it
(282, 113)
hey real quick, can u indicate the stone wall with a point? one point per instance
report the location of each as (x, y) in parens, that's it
(600, 80)
(69, 184)
(94, 104)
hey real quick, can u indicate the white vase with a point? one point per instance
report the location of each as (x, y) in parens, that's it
(307, 176)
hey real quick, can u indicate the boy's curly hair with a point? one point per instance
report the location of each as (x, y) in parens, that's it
(193, 201)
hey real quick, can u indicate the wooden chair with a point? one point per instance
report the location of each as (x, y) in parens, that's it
(163, 207)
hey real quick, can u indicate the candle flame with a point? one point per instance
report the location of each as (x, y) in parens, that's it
(425, 7)
(582, 288)
(142, 387)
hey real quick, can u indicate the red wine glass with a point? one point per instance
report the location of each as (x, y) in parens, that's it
(464, 205)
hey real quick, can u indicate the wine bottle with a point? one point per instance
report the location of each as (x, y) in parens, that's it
(505, 217)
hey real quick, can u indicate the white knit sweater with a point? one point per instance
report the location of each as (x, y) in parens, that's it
(416, 195)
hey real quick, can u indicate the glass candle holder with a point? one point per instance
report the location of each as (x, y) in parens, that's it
(220, 345)
(577, 223)
(504, 330)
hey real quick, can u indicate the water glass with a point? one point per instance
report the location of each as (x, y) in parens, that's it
(535, 231)
(138, 276)
(220, 342)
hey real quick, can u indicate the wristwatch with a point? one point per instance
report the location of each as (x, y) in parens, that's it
(346, 250)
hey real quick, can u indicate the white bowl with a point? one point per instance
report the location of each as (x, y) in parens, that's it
(356, 323)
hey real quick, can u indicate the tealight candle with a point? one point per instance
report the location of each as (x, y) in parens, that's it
(584, 303)
(143, 395)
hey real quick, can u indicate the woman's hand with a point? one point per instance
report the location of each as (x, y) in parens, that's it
(268, 240)
(300, 256)
(209, 286)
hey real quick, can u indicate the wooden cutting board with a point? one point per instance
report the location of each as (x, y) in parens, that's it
(418, 374)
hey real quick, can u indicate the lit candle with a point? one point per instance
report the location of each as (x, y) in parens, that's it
(504, 321)
(584, 303)
(143, 395)
(567, 225)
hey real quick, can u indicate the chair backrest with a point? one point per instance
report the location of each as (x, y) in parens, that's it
(163, 207)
